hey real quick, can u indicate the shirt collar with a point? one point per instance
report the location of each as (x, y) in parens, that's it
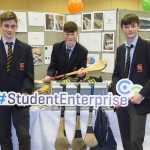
(133, 43)
(71, 47)
(4, 41)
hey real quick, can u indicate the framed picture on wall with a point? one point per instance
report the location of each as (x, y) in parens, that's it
(98, 20)
(47, 54)
(54, 22)
(108, 41)
(59, 22)
(144, 24)
(37, 55)
(86, 22)
(49, 22)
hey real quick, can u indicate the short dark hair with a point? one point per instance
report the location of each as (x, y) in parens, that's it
(8, 15)
(70, 26)
(129, 18)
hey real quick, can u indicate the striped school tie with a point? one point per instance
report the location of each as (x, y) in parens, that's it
(9, 57)
(67, 54)
(128, 61)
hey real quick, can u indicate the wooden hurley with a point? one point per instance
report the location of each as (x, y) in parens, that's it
(100, 65)
(78, 142)
(90, 139)
(62, 142)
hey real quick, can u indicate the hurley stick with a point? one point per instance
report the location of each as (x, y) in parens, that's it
(78, 142)
(100, 65)
(62, 142)
(90, 139)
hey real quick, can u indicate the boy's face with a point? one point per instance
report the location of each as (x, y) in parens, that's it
(130, 30)
(9, 28)
(70, 38)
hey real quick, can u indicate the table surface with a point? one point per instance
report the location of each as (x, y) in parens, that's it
(44, 125)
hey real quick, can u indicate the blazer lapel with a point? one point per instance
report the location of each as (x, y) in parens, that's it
(16, 54)
(62, 53)
(122, 59)
(3, 55)
(135, 55)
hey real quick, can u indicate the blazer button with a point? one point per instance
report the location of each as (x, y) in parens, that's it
(9, 77)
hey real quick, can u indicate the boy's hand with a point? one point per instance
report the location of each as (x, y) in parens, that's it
(81, 72)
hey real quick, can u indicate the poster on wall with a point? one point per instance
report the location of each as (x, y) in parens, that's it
(37, 55)
(108, 41)
(86, 22)
(92, 58)
(91, 41)
(110, 20)
(36, 38)
(22, 21)
(98, 20)
(144, 24)
(49, 22)
(59, 22)
(75, 18)
(54, 22)
(47, 54)
(36, 19)
(109, 58)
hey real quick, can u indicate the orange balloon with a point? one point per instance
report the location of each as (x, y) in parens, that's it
(75, 6)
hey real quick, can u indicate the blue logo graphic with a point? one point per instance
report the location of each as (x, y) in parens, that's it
(19, 20)
(125, 87)
(91, 60)
(109, 20)
(2, 98)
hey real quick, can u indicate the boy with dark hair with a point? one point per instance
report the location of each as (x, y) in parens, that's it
(17, 75)
(70, 27)
(67, 56)
(134, 53)
(128, 19)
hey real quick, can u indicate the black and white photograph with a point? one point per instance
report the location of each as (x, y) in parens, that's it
(98, 21)
(108, 41)
(86, 21)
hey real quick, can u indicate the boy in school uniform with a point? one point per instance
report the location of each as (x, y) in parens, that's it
(77, 59)
(16, 75)
(133, 62)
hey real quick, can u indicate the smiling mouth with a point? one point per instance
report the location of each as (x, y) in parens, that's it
(9, 33)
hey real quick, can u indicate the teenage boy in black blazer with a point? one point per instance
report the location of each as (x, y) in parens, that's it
(20, 79)
(132, 119)
(78, 54)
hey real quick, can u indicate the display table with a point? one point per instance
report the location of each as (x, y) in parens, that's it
(44, 125)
